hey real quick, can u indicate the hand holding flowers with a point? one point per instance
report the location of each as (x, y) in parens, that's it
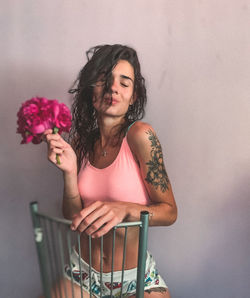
(58, 147)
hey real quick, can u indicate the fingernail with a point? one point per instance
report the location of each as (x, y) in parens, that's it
(72, 228)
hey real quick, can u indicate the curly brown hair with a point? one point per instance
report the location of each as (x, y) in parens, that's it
(101, 61)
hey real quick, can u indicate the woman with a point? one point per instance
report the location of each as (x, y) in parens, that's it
(114, 167)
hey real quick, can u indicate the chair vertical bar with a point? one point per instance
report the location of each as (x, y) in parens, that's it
(79, 260)
(112, 262)
(101, 269)
(142, 253)
(90, 268)
(55, 256)
(51, 253)
(40, 249)
(47, 245)
(124, 257)
(70, 253)
(61, 250)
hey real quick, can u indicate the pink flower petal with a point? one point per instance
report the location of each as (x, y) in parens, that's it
(38, 114)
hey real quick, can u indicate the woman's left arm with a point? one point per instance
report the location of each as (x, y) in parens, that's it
(147, 151)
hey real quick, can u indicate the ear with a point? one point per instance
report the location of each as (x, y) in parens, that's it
(132, 99)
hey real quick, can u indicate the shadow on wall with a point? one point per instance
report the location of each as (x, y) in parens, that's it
(225, 268)
(26, 175)
(25, 168)
(205, 253)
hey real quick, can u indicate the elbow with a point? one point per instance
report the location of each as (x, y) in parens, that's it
(173, 216)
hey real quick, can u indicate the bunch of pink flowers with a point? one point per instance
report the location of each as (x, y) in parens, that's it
(38, 114)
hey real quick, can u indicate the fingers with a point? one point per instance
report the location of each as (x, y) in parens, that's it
(55, 147)
(56, 144)
(55, 141)
(45, 133)
(99, 227)
(58, 151)
(48, 136)
(82, 215)
(56, 137)
(95, 220)
(92, 219)
(48, 131)
(106, 228)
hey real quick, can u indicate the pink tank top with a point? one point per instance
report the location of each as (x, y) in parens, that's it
(120, 181)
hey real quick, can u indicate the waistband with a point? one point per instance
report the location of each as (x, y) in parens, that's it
(129, 274)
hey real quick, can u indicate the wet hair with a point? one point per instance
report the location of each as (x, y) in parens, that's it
(101, 61)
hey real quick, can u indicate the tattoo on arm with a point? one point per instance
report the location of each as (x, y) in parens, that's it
(156, 175)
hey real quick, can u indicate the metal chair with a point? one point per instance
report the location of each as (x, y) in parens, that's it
(54, 238)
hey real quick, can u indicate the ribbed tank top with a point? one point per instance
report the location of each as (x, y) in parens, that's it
(120, 181)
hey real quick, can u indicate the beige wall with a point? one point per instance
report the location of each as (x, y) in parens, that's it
(195, 57)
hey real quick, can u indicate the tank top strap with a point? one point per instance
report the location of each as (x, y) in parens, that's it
(130, 126)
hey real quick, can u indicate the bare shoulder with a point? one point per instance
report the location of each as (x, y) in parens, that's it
(140, 137)
(138, 131)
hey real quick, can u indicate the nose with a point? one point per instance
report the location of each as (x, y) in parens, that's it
(114, 86)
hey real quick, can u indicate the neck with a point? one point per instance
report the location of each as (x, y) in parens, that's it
(109, 128)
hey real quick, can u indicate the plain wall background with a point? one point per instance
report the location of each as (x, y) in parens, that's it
(195, 58)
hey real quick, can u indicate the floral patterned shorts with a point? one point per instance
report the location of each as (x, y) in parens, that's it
(152, 278)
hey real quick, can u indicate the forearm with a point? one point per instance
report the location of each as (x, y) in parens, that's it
(72, 203)
(160, 214)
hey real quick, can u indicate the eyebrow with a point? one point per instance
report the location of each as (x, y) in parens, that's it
(126, 77)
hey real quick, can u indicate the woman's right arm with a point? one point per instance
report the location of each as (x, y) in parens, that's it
(72, 202)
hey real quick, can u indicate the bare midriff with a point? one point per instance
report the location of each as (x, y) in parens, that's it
(131, 250)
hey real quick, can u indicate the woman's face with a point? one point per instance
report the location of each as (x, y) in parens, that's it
(115, 103)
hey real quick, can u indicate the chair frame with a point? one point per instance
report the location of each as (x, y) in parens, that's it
(40, 235)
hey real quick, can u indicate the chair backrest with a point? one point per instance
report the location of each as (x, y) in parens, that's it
(54, 239)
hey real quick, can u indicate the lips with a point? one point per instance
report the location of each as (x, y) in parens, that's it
(111, 100)
(114, 101)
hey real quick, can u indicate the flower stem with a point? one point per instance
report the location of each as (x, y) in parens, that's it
(55, 130)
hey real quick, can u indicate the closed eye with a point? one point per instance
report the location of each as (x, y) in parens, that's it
(124, 85)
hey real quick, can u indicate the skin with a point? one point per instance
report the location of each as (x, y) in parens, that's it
(99, 218)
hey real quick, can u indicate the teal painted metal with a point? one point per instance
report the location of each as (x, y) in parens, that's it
(52, 257)
(61, 252)
(90, 267)
(142, 253)
(101, 263)
(124, 257)
(112, 264)
(48, 252)
(39, 240)
(71, 268)
(79, 261)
